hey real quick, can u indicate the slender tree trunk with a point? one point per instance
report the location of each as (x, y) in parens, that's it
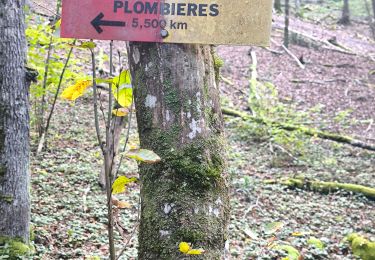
(345, 18)
(14, 129)
(286, 28)
(115, 134)
(185, 196)
(277, 6)
(297, 4)
(373, 8)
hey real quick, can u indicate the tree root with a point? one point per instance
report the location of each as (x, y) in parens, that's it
(324, 187)
(305, 130)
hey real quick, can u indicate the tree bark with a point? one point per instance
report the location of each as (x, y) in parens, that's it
(277, 6)
(297, 4)
(117, 124)
(286, 28)
(14, 127)
(185, 196)
(345, 18)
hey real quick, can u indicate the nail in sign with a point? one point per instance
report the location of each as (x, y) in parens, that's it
(242, 22)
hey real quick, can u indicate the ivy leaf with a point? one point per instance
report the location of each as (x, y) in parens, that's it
(120, 183)
(293, 253)
(315, 242)
(143, 155)
(273, 227)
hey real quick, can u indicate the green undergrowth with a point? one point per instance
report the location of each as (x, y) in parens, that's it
(14, 248)
(330, 11)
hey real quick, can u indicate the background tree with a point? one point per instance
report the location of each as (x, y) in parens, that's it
(185, 196)
(14, 130)
(277, 5)
(345, 18)
(286, 27)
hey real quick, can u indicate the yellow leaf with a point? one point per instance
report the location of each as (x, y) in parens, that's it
(119, 184)
(122, 89)
(75, 91)
(184, 247)
(122, 111)
(123, 95)
(123, 79)
(195, 252)
(57, 24)
(143, 155)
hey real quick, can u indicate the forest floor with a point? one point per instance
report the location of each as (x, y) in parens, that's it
(335, 92)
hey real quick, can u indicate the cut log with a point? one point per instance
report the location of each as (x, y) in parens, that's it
(305, 130)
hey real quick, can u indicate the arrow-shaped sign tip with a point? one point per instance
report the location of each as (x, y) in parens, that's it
(97, 22)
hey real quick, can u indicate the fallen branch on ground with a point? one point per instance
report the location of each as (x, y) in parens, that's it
(320, 82)
(294, 57)
(325, 187)
(306, 40)
(273, 51)
(226, 81)
(305, 130)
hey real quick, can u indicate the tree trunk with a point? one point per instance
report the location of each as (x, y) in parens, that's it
(277, 6)
(345, 18)
(14, 130)
(286, 28)
(117, 124)
(297, 4)
(373, 8)
(185, 196)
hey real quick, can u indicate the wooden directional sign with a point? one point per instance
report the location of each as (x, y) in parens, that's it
(246, 22)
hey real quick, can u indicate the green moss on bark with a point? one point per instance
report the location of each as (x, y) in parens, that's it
(3, 170)
(6, 198)
(218, 63)
(171, 97)
(14, 247)
(197, 164)
(192, 166)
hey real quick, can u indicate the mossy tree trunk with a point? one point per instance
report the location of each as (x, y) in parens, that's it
(14, 126)
(185, 196)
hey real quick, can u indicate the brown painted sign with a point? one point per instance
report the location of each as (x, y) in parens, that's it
(243, 22)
